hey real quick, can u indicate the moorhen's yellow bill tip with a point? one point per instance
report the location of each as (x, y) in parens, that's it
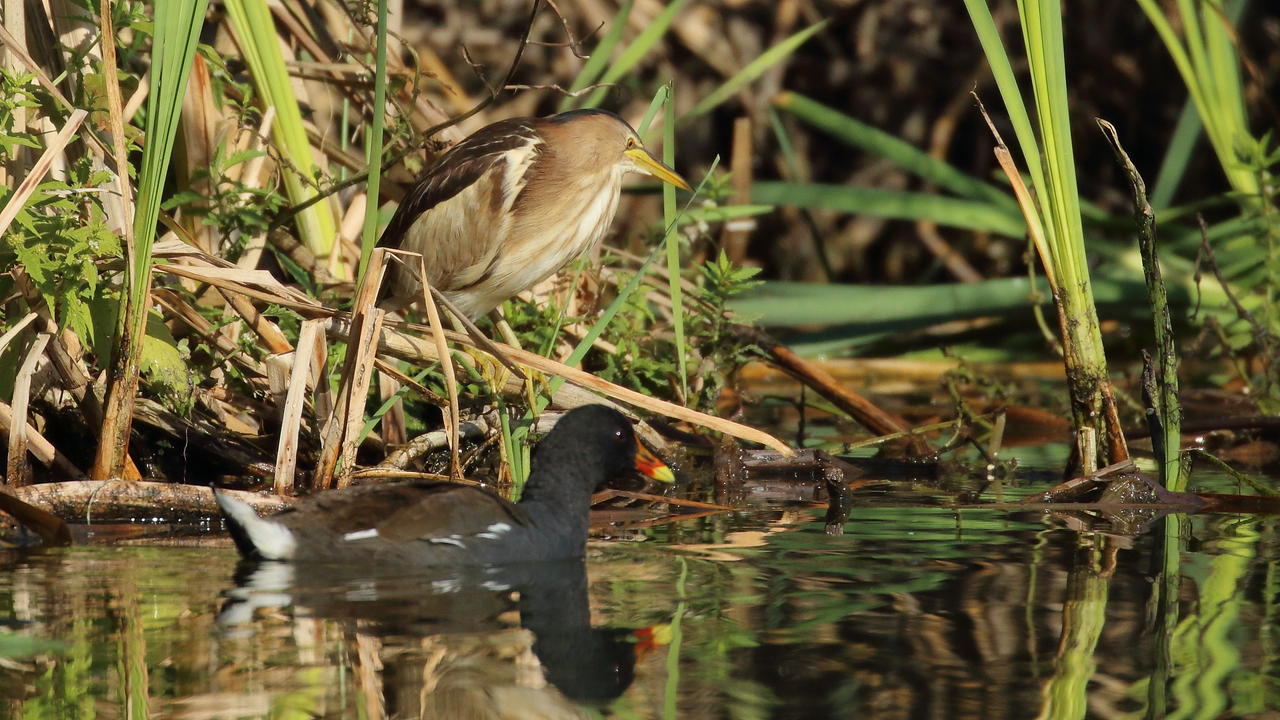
(650, 465)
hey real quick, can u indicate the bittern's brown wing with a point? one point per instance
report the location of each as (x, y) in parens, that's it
(450, 215)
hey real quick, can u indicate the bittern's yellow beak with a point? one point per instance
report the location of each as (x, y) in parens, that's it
(648, 463)
(651, 165)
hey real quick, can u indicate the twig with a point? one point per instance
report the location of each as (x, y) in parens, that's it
(858, 407)
(557, 88)
(409, 347)
(574, 44)
(680, 502)
(1025, 202)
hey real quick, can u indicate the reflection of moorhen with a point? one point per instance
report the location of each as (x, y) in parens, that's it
(592, 665)
(459, 609)
(448, 524)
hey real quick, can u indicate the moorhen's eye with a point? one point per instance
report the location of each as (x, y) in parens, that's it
(619, 435)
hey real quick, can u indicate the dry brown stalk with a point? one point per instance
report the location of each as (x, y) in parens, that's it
(342, 428)
(295, 399)
(40, 448)
(18, 327)
(858, 407)
(415, 349)
(450, 380)
(476, 429)
(17, 468)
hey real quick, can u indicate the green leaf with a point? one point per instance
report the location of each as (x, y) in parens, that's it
(723, 213)
(899, 152)
(953, 212)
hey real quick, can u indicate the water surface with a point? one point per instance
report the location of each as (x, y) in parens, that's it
(915, 612)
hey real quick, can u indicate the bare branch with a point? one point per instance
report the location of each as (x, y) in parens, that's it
(574, 44)
(557, 88)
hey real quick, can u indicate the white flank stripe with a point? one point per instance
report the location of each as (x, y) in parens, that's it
(361, 534)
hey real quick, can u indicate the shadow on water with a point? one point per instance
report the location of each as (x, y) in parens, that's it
(919, 610)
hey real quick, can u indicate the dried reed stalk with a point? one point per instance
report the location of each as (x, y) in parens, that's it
(17, 468)
(295, 399)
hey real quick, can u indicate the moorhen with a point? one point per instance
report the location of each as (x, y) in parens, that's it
(449, 524)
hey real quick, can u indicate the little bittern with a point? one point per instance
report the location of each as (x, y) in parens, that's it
(512, 204)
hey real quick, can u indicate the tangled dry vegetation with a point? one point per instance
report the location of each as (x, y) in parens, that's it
(263, 213)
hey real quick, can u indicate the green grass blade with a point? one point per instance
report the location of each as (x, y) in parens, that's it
(255, 31)
(599, 56)
(672, 242)
(1046, 58)
(753, 70)
(657, 103)
(1173, 167)
(900, 153)
(722, 213)
(177, 30)
(953, 212)
(373, 144)
(640, 47)
(1007, 83)
(791, 304)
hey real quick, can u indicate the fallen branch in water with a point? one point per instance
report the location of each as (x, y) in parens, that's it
(90, 500)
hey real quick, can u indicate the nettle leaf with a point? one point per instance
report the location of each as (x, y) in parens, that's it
(162, 362)
(77, 316)
(184, 197)
(31, 256)
(9, 141)
(241, 156)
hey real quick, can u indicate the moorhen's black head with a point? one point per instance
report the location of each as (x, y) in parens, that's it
(595, 440)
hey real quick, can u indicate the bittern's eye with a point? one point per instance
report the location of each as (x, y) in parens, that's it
(631, 142)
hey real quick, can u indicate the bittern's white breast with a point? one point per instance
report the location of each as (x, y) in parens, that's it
(512, 204)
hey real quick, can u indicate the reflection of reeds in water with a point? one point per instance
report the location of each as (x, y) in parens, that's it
(914, 608)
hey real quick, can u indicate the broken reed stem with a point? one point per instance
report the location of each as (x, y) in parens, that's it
(1163, 409)
(342, 429)
(365, 351)
(40, 448)
(335, 422)
(295, 400)
(450, 380)
(17, 466)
